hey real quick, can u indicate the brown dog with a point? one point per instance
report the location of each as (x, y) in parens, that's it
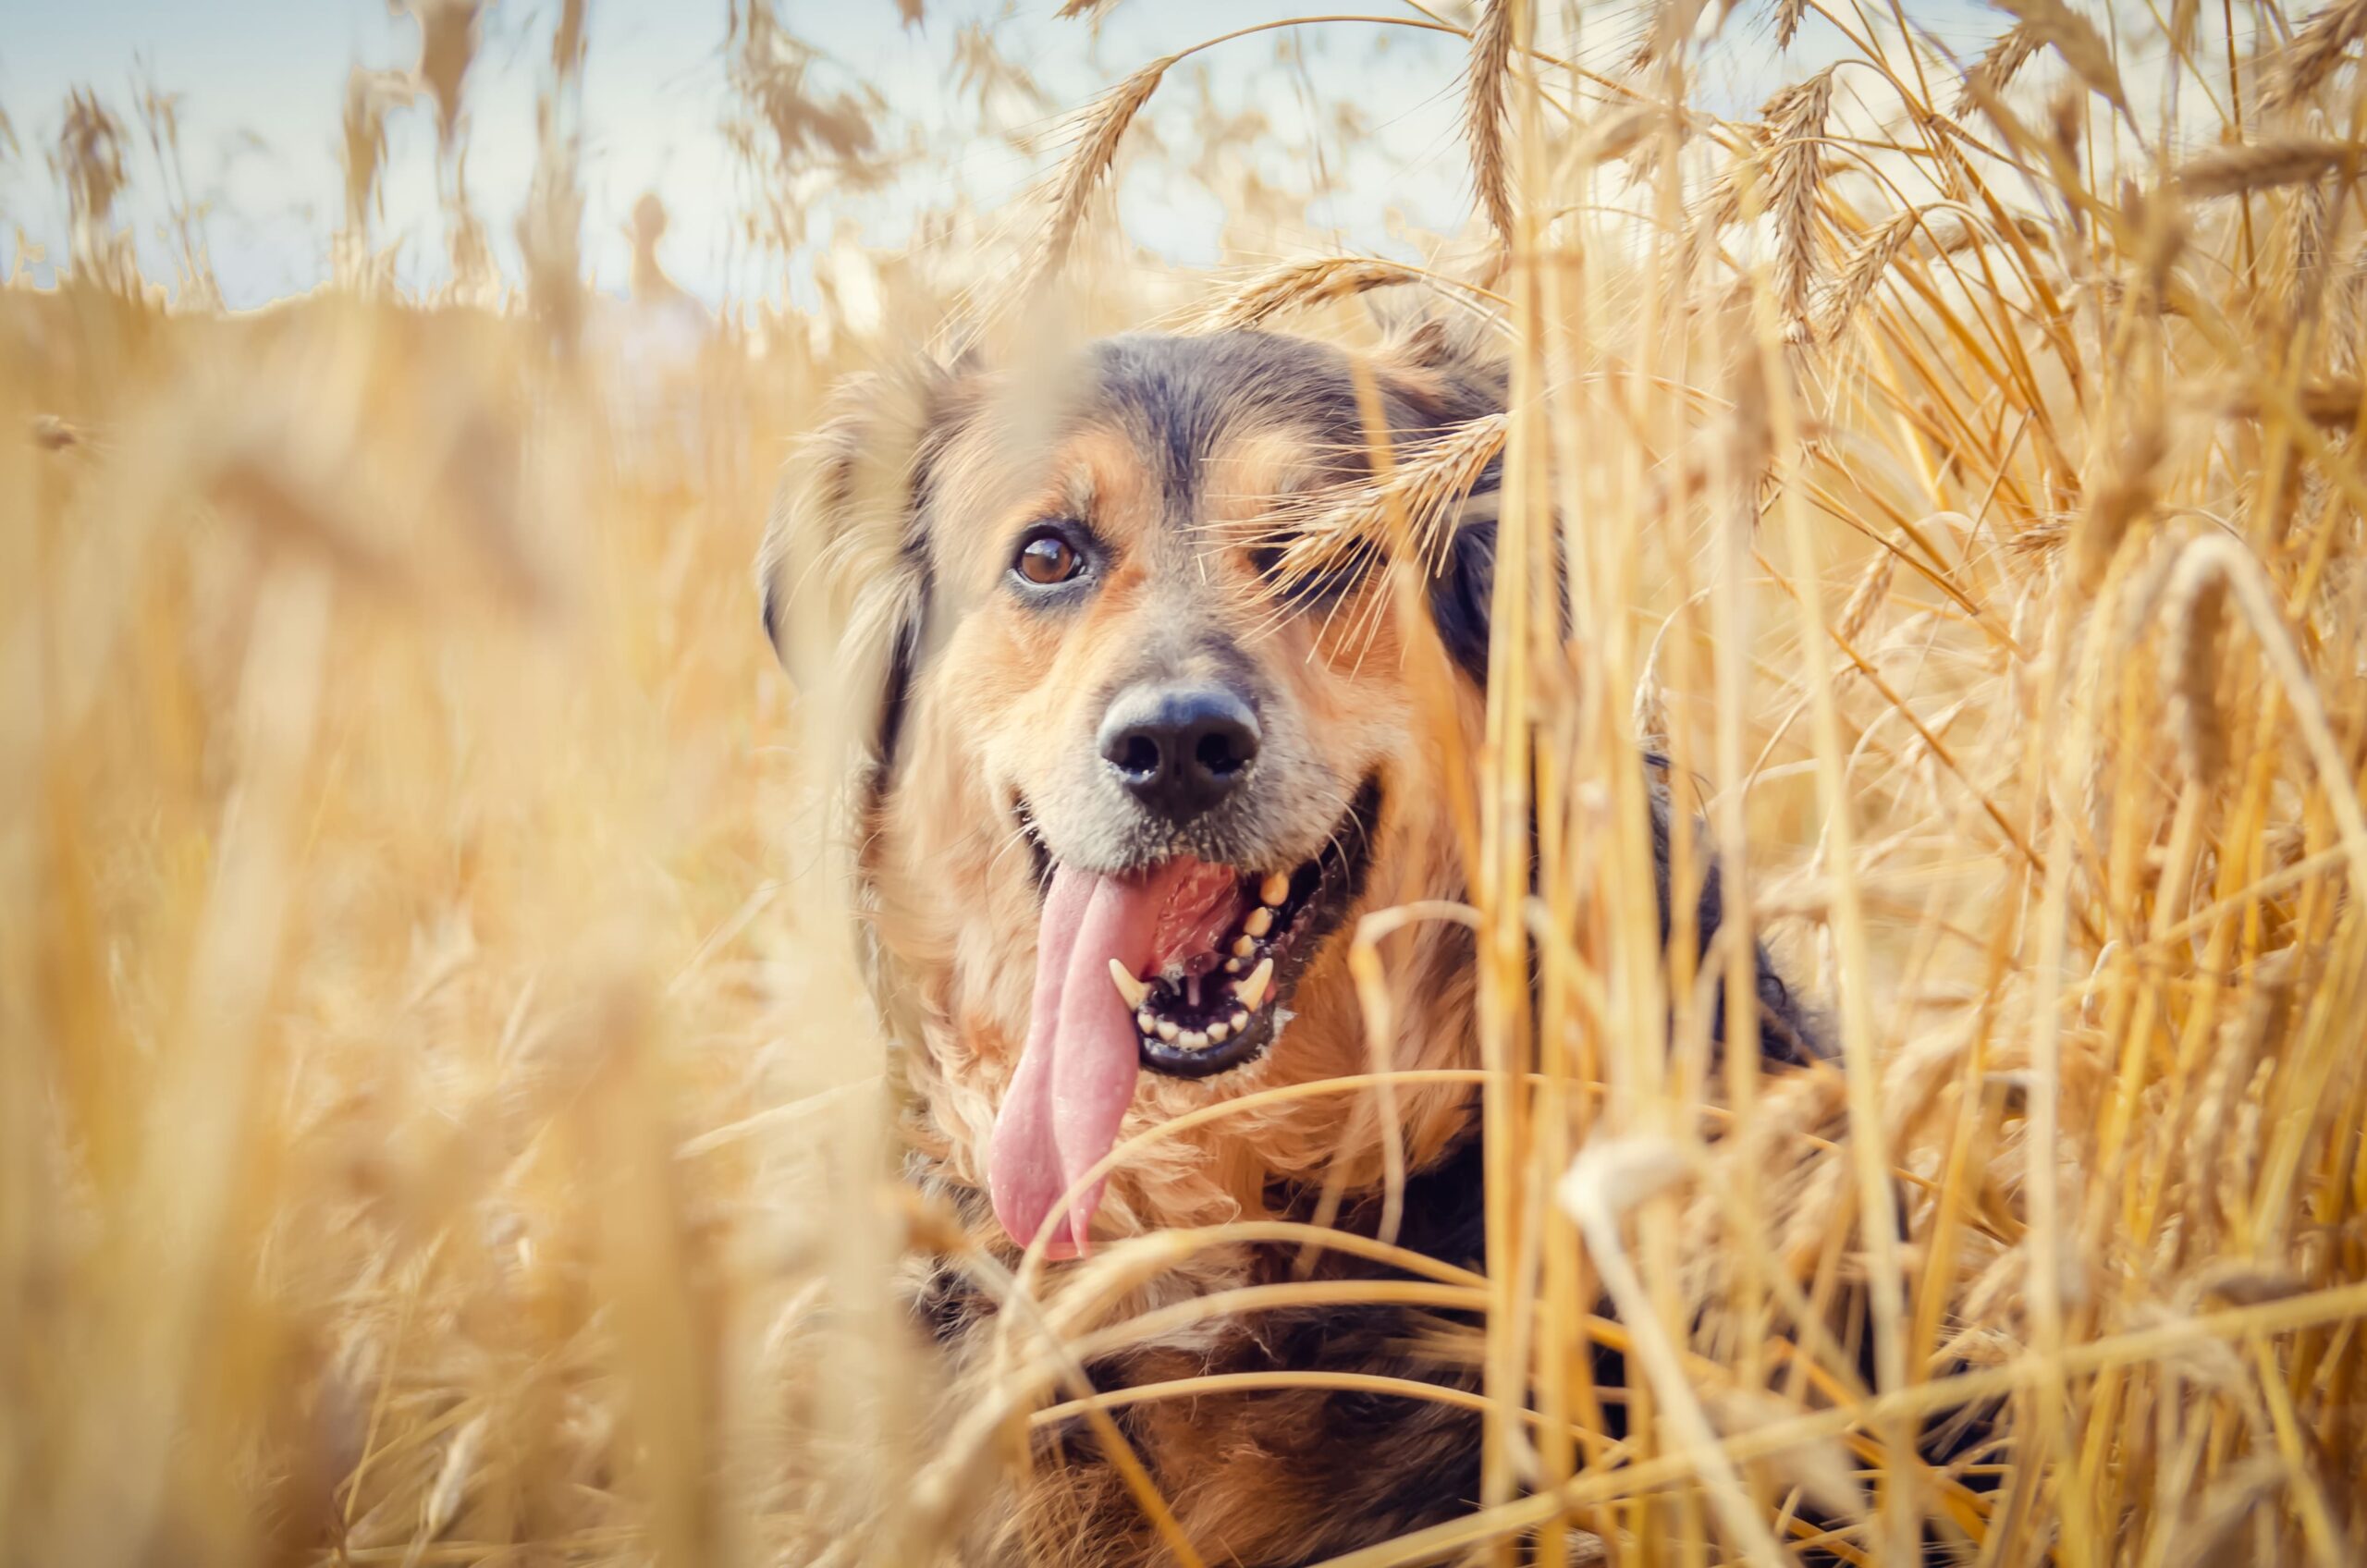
(1121, 788)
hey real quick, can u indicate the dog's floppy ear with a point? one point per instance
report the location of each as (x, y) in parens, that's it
(845, 578)
(1448, 375)
(844, 575)
(1465, 586)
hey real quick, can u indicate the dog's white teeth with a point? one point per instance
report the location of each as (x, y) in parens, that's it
(1274, 889)
(1167, 1029)
(1253, 990)
(1135, 991)
(1146, 1023)
(1240, 1022)
(1260, 921)
(1216, 1033)
(1243, 947)
(1192, 1040)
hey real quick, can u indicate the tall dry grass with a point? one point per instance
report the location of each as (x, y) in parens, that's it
(439, 1123)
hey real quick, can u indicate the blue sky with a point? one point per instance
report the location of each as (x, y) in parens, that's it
(262, 81)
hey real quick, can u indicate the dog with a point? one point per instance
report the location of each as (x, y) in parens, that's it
(1121, 783)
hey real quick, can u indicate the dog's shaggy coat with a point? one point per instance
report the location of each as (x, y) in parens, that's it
(968, 701)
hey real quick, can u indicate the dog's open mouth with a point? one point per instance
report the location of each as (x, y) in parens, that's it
(1184, 967)
(1230, 948)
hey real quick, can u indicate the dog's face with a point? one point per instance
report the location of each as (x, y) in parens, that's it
(1123, 781)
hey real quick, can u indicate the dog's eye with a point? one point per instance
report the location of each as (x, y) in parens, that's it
(1045, 559)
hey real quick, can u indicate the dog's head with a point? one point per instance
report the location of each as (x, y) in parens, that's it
(1121, 777)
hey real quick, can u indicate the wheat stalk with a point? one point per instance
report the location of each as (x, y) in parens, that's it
(1485, 111)
(1795, 158)
(1295, 285)
(2316, 52)
(2127, 492)
(1864, 269)
(1094, 151)
(2194, 609)
(2170, 1006)
(2073, 37)
(1323, 527)
(1997, 68)
(2260, 166)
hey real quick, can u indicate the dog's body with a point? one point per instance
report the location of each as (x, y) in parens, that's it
(1101, 734)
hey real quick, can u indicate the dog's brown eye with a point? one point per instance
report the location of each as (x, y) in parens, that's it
(1047, 558)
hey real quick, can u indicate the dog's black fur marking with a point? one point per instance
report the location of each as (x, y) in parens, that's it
(898, 696)
(1460, 595)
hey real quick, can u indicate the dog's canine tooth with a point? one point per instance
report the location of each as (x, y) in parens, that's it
(1275, 888)
(1192, 1040)
(1253, 990)
(1218, 1030)
(1260, 921)
(1168, 1029)
(1243, 947)
(1135, 991)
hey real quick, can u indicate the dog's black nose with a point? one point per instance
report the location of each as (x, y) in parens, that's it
(1180, 749)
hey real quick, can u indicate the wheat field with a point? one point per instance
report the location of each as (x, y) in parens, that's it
(439, 1119)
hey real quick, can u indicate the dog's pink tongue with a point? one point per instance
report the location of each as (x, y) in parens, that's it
(1077, 1074)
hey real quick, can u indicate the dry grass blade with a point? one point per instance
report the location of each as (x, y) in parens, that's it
(1607, 1179)
(368, 96)
(1295, 285)
(2262, 166)
(89, 160)
(449, 31)
(1486, 110)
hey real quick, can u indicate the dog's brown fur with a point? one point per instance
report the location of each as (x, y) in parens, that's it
(884, 585)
